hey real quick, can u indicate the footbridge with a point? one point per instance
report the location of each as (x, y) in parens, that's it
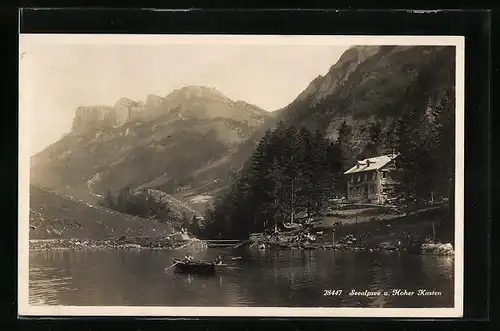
(223, 243)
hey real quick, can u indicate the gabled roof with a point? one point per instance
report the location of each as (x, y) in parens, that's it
(372, 163)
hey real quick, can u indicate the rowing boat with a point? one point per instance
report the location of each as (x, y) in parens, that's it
(194, 267)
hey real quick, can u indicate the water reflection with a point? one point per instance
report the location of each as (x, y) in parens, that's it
(254, 278)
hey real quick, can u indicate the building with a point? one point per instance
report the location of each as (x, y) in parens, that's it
(367, 181)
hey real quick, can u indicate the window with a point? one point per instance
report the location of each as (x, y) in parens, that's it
(366, 176)
(384, 174)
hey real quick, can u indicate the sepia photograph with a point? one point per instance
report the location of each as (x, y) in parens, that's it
(225, 175)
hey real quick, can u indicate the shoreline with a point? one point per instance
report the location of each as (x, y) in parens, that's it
(441, 249)
(415, 234)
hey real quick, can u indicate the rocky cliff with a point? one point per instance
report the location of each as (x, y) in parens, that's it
(106, 116)
(90, 117)
(373, 83)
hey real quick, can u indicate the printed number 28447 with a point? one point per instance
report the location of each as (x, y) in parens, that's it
(329, 293)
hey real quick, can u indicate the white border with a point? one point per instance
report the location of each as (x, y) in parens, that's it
(25, 309)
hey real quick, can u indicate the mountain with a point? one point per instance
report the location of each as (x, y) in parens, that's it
(54, 216)
(159, 143)
(371, 83)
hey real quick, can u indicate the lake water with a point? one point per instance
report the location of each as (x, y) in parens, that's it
(255, 278)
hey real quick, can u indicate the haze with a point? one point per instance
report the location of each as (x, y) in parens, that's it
(57, 78)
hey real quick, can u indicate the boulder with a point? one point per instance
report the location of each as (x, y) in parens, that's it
(131, 246)
(438, 249)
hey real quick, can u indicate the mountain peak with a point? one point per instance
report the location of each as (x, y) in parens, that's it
(198, 91)
(194, 101)
(153, 101)
(152, 97)
(198, 88)
(126, 102)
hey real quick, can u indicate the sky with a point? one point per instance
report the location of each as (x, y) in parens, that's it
(58, 77)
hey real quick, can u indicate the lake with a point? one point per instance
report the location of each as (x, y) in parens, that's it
(291, 278)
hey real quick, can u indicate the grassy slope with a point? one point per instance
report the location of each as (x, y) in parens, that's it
(384, 228)
(54, 216)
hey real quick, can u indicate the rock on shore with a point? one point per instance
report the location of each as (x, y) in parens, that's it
(437, 249)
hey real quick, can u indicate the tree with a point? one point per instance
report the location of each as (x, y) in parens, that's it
(425, 140)
(376, 139)
(109, 200)
(194, 226)
(185, 222)
(444, 151)
(406, 142)
(264, 178)
(308, 164)
(163, 212)
(345, 146)
(291, 171)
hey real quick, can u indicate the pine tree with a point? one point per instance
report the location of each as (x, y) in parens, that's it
(376, 139)
(345, 143)
(444, 183)
(109, 200)
(307, 164)
(185, 222)
(406, 143)
(266, 179)
(291, 171)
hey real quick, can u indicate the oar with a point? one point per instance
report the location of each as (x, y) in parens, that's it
(172, 265)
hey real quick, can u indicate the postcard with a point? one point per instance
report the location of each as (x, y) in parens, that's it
(231, 175)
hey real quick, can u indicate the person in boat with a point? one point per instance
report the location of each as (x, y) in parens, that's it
(218, 260)
(188, 258)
